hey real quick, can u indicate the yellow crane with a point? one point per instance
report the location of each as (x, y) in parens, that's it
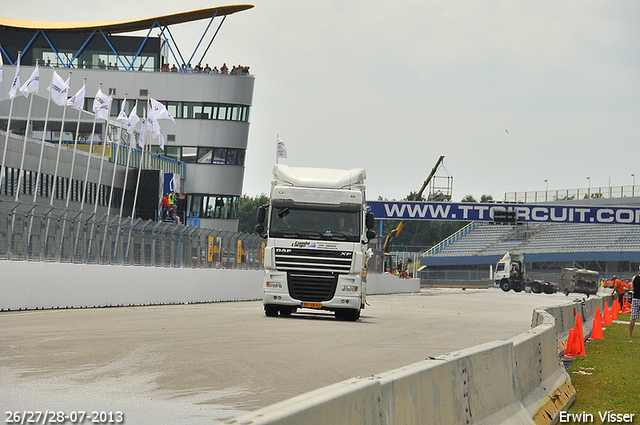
(394, 233)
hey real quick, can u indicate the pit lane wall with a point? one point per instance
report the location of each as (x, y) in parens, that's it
(518, 381)
(28, 285)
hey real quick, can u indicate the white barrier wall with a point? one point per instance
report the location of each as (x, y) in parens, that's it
(31, 285)
(519, 381)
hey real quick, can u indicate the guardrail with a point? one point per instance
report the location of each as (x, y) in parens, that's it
(36, 233)
(516, 381)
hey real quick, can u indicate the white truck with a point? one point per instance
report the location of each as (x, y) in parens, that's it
(317, 229)
(510, 273)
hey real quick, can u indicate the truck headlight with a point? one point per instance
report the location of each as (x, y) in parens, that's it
(350, 288)
(273, 284)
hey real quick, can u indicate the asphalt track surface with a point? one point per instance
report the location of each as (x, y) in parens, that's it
(203, 363)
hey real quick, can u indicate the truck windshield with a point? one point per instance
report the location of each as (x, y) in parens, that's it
(334, 225)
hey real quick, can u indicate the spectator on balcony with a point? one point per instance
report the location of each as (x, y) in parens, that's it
(224, 69)
(174, 68)
(207, 69)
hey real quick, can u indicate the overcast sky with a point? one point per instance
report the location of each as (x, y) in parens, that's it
(512, 93)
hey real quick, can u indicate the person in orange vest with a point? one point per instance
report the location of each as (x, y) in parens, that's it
(635, 303)
(618, 290)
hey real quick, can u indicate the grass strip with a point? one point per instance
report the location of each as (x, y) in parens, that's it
(607, 379)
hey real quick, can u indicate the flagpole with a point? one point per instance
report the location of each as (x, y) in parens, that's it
(126, 170)
(96, 201)
(104, 146)
(135, 195)
(73, 161)
(113, 178)
(6, 136)
(55, 174)
(132, 141)
(75, 149)
(24, 144)
(44, 135)
(86, 177)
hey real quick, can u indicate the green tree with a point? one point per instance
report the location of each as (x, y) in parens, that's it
(247, 211)
(486, 198)
(469, 198)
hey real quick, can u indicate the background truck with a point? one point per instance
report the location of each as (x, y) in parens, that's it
(579, 280)
(317, 229)
(510, 273)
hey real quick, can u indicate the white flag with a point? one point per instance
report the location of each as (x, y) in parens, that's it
(1, 67)
(159, 111)
(59, 89)
(101, 105)
(77, 100)
(122, 116)
(16, 81)
(161, 140)
(154, 126)
(282, 149)
(133, 119)
(142, 130)
(32, 85)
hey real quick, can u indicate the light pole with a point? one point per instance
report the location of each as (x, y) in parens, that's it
(546, 189)
(633, 188)
(589, 190)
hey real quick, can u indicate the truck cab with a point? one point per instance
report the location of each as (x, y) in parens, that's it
(510, 272)
(317, 229)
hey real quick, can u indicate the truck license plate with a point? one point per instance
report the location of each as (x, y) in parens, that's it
(311, 305)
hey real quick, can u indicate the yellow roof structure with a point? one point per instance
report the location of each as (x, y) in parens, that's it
(115, 27)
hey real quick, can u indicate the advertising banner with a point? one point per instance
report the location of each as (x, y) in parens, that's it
(525, 213)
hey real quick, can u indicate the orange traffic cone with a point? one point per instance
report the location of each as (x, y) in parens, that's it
(596, 332)
(626, 308)
(570, 350)
(575, 343)
(615, 309)
(607, 315)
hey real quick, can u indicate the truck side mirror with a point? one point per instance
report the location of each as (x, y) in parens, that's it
(371, 234)
(370, 221)
(259, 228)
(261, 215)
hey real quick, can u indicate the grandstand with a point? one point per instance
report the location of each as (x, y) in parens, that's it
(607, 248)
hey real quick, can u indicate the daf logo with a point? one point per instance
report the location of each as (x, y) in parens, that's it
(345, 254)
(283, 250)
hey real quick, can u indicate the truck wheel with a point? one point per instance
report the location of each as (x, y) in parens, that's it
(351, 315)
(518, 287)
(536, 287)
(271, 310)
(504, 285)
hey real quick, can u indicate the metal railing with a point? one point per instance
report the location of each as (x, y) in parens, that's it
(607, 192)
(38, 233)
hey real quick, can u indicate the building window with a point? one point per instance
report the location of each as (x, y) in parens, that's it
(215, 206)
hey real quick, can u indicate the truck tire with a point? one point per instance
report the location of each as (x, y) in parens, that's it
(536, 287)
(504, 285)
(351, 315)
(518, 287)
(271, 310)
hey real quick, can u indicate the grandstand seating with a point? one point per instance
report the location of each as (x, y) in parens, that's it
(491, 239)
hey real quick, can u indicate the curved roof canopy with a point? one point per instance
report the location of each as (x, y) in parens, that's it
(115, 27)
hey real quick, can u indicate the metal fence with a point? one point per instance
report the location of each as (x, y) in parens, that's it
(37, 233)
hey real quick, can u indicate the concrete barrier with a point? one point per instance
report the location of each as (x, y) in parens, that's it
(37, 285)
(519, 381)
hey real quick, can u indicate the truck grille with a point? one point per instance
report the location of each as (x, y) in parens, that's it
(312, 274)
